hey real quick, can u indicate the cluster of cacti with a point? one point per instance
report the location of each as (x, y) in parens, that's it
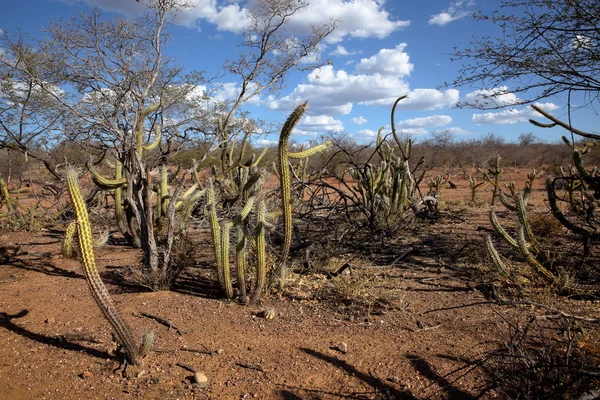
(247, 234)
(492, 176)
(525, 242)
(386, 190)
(99, 292)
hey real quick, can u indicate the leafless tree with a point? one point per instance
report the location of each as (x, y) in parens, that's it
(543, 48)
(269, 51)
(29, 116)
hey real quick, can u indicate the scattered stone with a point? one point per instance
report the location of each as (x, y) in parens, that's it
(342, 348)
(219, 351)
(50, 320)
(394, 379)
(200, 378)
(85, 374)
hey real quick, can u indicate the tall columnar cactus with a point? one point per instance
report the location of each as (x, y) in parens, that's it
(97, 288)
(285, 185)
(492, 175)
(225, 266)
(241, 261)
(261, 256)
(211, 211)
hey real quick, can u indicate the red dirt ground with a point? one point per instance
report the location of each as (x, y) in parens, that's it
(372, 335)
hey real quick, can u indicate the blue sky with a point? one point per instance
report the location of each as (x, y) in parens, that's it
(379, 51)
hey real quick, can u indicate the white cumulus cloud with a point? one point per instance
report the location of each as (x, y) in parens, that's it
(513, 115)
(334, 92)
(313, 125)
(355, 18)
(342, 51)
(457, 10)
(387, 62)
(429, 121)
(360, 120)
(492, 98)
(369, 133)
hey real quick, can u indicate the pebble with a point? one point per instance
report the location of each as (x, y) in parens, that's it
(342, 347)
(200, 378)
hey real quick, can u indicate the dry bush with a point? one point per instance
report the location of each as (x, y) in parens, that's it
(545, 225)
(545, 358)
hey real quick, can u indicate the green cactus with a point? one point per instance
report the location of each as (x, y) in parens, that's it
(105, 183)
(261, 256)
(227, 285)
(285, 186)
(67, 247)
(495, 256)
(474, 186)
(140, 132)
(99, 292)
(492, 175)
(241, 259)
(211, 211)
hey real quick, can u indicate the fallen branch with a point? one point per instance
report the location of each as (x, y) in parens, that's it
(251, 366)
(517, 303)
(161, 321)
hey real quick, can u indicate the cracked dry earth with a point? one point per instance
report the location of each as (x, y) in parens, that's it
(378, 333)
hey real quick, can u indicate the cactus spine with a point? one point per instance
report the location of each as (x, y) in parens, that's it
(97, 288)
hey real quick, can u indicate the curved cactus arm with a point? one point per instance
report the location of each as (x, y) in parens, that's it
(105, 183)
(506, 202)
(393, 125)
(498, 263)
(558, 214)
(501, 231)
(97, 288)
(556, 121)
(156, 142)
(309, 152)
(524, 222)
(524, 247)
(259, 158)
